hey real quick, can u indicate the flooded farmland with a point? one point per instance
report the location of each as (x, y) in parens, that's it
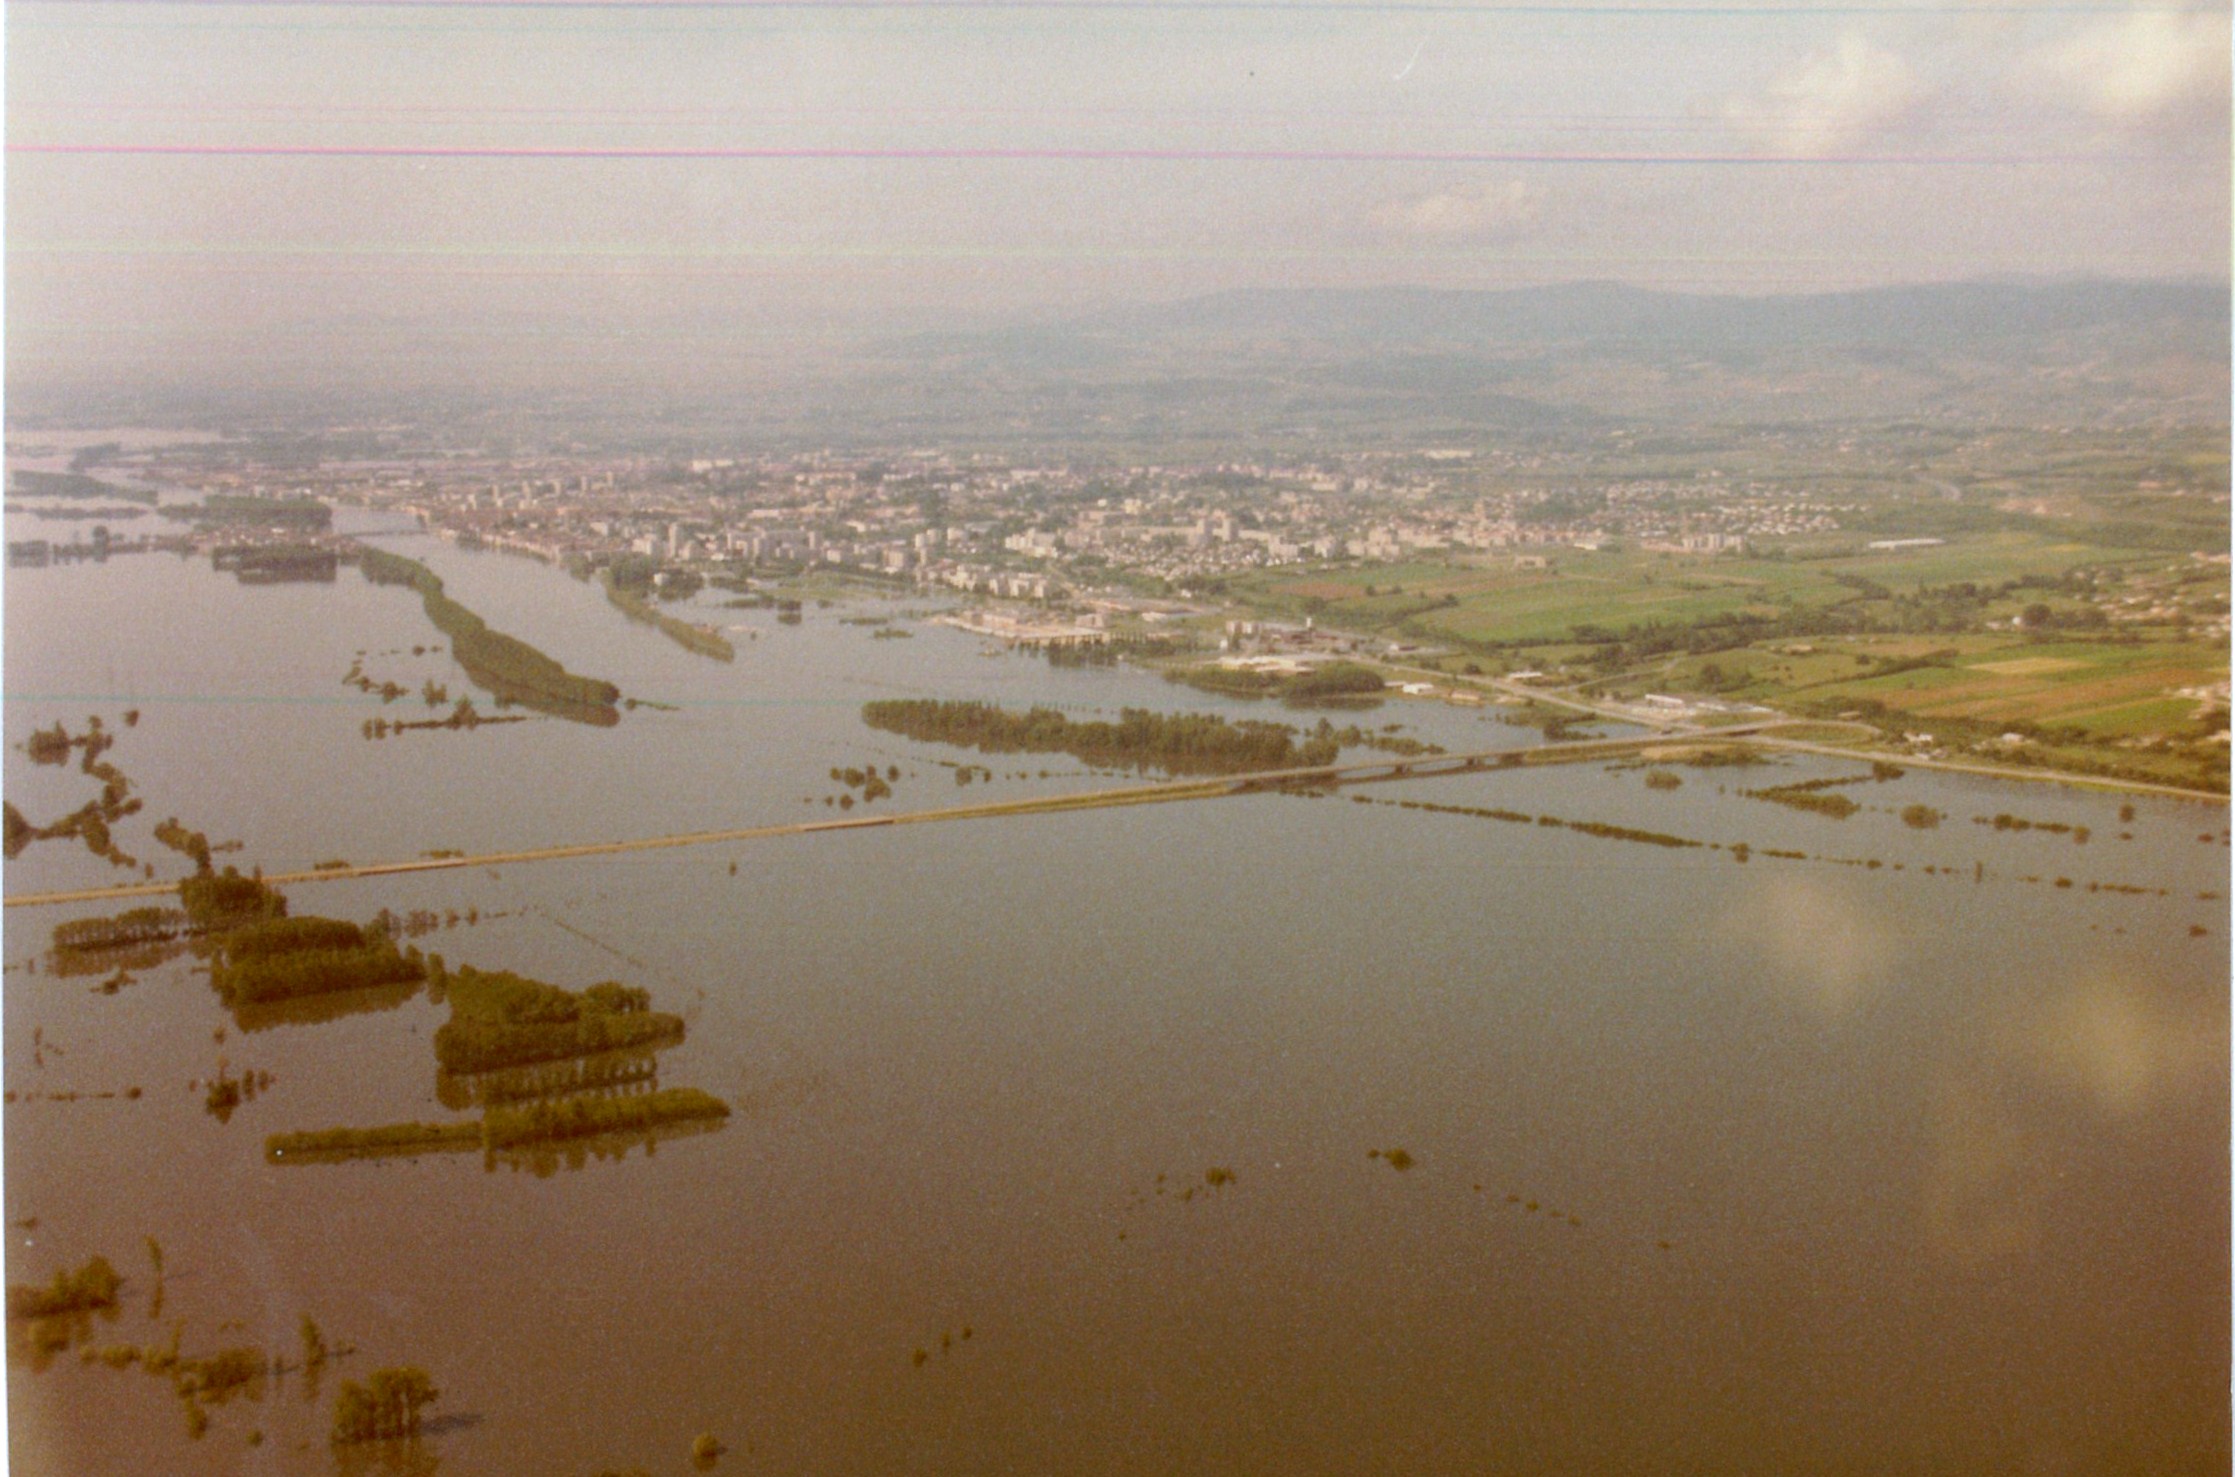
(1825, 1140)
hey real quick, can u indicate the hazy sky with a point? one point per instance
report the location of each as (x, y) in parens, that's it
(222, 183)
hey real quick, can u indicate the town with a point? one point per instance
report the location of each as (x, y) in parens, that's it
(982, 523)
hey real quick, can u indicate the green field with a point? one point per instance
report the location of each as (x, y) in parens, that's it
(2107, 688)
(2105, 705)
(2082, 647)
(1483, 601)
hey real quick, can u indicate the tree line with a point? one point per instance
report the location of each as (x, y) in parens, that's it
(505, 665)
(1329, 682)
(1178, 743)
(304, 514)
(630, 600)
(287, 958)
(128, 929)
(515, 1126)
(76, 484)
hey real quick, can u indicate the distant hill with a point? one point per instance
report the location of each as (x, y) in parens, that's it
(1308, 366)
(1399, 361)
(1936, 319)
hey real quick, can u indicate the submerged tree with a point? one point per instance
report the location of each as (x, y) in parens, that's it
(386, 1407)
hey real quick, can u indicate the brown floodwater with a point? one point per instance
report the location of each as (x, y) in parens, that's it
(1066, 1143)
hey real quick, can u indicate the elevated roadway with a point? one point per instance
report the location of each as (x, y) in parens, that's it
(1163, 792)
(1764, 734)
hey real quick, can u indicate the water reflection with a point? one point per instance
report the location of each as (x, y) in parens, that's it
(407, 1458)
(77, 963)
(2128, 1047)
(605, 1071)
(318, 1010)
(512, 694)
(546, 1159)
(1817, 938)
(2037, 1089)
(400, 1146)
(34, 1343)
(1985, 1180)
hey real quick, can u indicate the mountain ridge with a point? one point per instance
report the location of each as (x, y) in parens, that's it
(1935, 315)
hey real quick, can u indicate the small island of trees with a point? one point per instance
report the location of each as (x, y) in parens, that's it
(545, 1065)
(212, 905)
(386, 1407)
(277, 565)
(303, 514)
(1818, 796)
(605, 1071)
(501, 1019)
(53, 745)
(332, 1145)
(216, 902)
(1177, 743)
(873, 786)
(90, 1288)
(464, 717)
(1331, 683)
(287, 958)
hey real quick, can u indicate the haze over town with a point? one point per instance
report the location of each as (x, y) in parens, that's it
(663, 199)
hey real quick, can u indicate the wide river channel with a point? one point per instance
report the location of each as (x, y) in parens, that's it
(1903, 1153)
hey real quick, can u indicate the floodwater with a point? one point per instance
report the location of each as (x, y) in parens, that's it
(1773, 1165)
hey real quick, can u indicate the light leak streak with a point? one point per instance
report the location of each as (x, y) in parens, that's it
(1057, 154)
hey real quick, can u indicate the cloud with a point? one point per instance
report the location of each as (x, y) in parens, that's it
(1830, 100)
(2141, 67)
(1502, 210)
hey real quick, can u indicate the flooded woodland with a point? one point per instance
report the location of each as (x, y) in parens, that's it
(1539, 1119)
